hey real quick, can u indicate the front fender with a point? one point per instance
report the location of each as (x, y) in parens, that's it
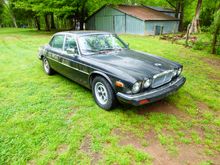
(94, 73)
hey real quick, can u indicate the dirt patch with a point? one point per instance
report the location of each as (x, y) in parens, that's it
(194, 154)
(202, 106)
(162, 107)
(128, 138)
(212, 62)
(95, 157)
(215, 64)
(70, 114)
(61, 149)
(53, 162)
(31, 162)
(131, 140)
(214, 77)
(188, 154)
(159, 154)
(154, 148)
(86, 147)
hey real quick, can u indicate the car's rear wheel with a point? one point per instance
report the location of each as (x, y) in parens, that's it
(46, 66)
(103, 93)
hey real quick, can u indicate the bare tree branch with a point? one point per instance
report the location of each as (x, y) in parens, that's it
(171, 4)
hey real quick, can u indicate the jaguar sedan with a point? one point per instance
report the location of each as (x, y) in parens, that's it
(102, 62)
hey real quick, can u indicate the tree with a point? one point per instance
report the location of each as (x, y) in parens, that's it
(216, 25)
(8, 6)
(1, 12)
(195, 28)
(179, 6)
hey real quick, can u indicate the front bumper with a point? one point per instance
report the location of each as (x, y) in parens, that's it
(152, 95)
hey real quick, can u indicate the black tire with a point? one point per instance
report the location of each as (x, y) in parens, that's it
(111, 100)
(46, 66)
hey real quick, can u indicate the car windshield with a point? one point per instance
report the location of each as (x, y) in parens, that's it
(100, 43)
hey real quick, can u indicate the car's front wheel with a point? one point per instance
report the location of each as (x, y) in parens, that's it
(46, 66)
(103, 93)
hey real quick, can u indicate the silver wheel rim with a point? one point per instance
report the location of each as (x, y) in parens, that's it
(46, 65)
(101, 93)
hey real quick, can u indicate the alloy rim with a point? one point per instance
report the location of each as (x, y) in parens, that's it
(46, 65)
(101, 93)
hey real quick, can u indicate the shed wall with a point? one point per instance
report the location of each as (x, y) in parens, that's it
(112, 20)
(168, 26)
(134, 25)
(109, 19)
(104, 20)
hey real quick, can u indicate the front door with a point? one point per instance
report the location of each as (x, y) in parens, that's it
(74, 68)
(119, 24)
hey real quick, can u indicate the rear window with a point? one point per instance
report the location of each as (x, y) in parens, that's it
(57, 42)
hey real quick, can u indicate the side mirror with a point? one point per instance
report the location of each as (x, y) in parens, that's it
(71, 51)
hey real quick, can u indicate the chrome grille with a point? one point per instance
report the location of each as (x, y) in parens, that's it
(162, 78)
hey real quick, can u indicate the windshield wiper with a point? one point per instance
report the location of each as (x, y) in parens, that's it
(106, 49)
(101, 51)
(110, 49)
(90, 50)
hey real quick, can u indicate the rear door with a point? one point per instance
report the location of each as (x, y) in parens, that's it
(55, 51)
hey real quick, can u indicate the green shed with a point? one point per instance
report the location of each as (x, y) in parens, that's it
(132, 20)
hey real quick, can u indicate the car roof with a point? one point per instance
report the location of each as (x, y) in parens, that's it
(83, 32)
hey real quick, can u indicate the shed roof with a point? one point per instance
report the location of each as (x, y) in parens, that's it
(144, 13)
(161, 9)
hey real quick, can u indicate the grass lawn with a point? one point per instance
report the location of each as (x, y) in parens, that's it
(52, 120)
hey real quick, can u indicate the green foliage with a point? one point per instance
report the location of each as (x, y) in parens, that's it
(1, 11)
(200, 44)
(6, 18)
(26, 10)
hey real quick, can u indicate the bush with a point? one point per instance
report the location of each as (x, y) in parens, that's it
(199, 45)
(205, 29)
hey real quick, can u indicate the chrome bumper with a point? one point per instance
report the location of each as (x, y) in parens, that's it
(154, 94)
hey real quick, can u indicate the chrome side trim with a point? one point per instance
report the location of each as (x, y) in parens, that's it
(69, 66)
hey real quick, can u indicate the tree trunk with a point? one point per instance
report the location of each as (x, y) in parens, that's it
(182, 5)
(81, 24)
(187, 35)
(82, 15)
(11, 13)
(216, 32)
(71, 24)
(37, 22)
(47, 25)
(177, 11)
(195, 22)
(14, 20)
(215, 39)
(52, 21)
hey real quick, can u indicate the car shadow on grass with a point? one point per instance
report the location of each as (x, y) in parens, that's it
(162, 106)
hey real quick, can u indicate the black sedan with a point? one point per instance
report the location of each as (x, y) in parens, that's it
(102, 62)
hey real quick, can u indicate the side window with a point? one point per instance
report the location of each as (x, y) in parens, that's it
(57, 42)
(70, 44)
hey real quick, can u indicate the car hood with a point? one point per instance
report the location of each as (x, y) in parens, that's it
(134, 63)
